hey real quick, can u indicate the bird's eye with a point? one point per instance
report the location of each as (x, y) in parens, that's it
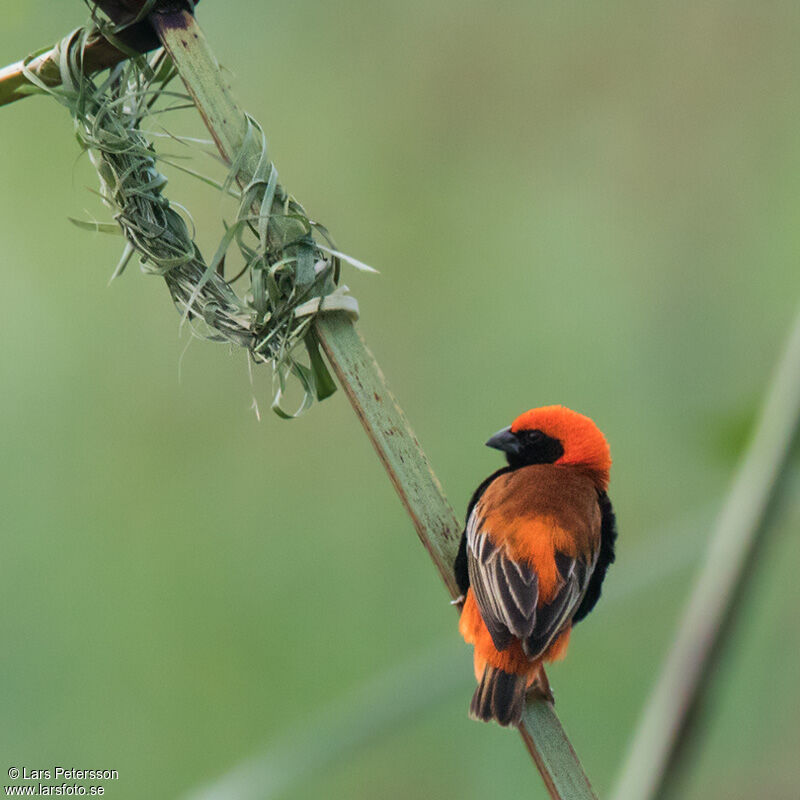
(539, 448)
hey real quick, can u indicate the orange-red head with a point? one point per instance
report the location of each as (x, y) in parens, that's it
(555, 435)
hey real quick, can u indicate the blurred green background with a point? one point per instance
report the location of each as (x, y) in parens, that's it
(588, 204)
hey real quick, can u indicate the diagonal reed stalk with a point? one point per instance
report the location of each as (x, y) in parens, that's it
(408, 468)
(665, 730)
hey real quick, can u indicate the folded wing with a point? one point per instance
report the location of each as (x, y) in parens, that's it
(508, 593)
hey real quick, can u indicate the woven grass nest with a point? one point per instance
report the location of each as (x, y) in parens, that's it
(291, 266)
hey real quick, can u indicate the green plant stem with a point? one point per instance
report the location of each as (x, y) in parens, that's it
(689, 668)
(408, 468)
(420, 491)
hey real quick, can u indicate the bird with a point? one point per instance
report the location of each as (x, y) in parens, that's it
(540, 534)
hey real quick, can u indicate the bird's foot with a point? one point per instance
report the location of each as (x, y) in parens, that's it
(545, 694)
(541, 687)
(459, 601)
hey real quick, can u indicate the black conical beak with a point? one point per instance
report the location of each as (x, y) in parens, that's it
(506, 441)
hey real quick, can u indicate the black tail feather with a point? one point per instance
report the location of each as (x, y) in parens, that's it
(500, 696)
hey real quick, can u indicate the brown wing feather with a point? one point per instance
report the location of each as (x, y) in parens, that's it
(506, 591)
(552, 617)
(507, 588)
